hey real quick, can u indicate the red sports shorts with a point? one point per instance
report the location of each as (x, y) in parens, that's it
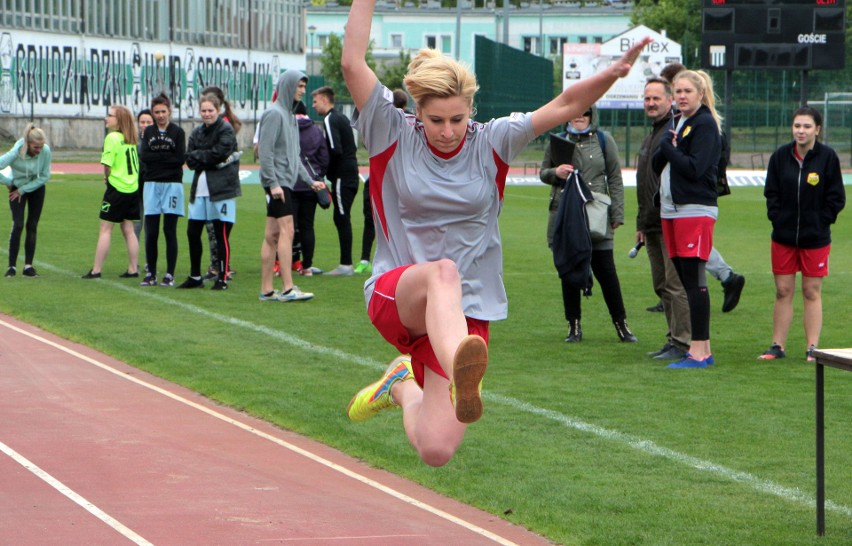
(789, 260)
(689, 237)
(385, 317)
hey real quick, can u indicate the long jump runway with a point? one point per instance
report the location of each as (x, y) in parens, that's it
(93, 451)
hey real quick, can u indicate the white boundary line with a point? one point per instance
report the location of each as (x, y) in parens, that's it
(247, 428)
(76, 498)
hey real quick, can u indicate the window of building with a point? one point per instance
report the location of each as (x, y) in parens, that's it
(556, 44)
(396, 41)
(431, 41)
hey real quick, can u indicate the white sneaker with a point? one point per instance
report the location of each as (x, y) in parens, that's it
(342, 271)
(294, 294)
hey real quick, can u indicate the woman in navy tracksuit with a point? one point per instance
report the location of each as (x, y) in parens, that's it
(688, 163)
(804, 194)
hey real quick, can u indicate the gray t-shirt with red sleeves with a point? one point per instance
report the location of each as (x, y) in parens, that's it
(428, 205)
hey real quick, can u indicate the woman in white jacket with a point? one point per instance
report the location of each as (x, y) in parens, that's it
(29, 159)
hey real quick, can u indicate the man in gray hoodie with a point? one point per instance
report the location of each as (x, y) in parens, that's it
(280, 169)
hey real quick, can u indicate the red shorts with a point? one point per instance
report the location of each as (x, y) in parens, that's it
(689, 237)
(385, 317)
(789, 260)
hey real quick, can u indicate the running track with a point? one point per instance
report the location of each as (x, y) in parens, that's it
(93, 451)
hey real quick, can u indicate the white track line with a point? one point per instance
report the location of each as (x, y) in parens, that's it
(647, 446)
(75, 497)
(248, 428)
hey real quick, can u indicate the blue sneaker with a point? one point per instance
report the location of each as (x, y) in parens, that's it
(689, 362)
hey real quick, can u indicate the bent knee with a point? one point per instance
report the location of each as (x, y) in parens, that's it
(447, 271)
(437, 455)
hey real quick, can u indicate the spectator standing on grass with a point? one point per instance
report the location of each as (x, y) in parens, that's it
(687, 160)
(600, 170)
(314, 157)
(732, 282)
(120, 204)
(229, 116)
(437, 193)
(212, 153)
(342, 174)
(657, 103)
(29, 160)
(162, 155)
(279, 150)
(804, 194)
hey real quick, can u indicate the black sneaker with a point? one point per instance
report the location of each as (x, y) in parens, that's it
(733, 288)
(661, 350)
(774, 352)
(671, 354)
(809, 355)
(30, 272)
(191, 283)
(656, 308)
(623, 331)
(219, 285)
(91, 275)
(10, 272)
(149, 280)
(575, 332)
(129, 275)
(211, 274)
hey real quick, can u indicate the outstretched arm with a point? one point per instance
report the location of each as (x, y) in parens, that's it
(576, 99)
(359, 77)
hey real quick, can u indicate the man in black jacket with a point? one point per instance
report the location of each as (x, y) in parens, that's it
(667, 285)
(342, 173)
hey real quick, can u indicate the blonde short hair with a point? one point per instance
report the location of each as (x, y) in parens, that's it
(433, 75)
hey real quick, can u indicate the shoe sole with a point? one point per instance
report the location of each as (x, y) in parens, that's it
(469, 365)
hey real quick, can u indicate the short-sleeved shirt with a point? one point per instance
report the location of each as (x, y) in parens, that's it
(123, 162)
(430, 205)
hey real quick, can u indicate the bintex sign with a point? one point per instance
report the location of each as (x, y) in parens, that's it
(582, 60)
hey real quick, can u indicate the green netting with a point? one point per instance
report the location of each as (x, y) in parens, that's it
(509, 80)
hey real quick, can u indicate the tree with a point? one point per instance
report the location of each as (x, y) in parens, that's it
(330, 66)
(393, 74)
(681, 19)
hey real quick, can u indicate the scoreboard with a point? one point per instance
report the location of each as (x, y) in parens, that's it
(782, 34)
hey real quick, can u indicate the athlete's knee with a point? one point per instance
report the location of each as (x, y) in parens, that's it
(446, 272)
(437, 455)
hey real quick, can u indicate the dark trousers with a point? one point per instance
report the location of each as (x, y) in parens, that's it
(222, 231)
(369, 235)
(152, 235)
(694, 279)
(304, 212)
(34, 201)
(603, 268)
(342, 197)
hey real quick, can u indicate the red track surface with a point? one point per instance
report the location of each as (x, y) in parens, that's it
(93, 451)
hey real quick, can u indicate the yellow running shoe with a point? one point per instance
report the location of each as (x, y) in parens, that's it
(376, 397)
(469, 366)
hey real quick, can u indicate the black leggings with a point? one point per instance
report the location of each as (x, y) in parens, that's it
(304, 239)
(196, 248)
(35, 202)
(342, 198)
(603, 267)
(369, 227)
(694, 279)
(152, 234)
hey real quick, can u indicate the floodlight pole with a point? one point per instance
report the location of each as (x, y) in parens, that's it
(803, 97)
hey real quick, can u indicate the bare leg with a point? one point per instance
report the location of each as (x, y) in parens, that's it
(782, 315)
(812, 295)
(267, 254)
(428, 299)
(127, 229)
(102, 249)
(285, 251)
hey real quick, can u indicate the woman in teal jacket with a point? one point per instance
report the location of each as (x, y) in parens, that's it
(29, 159)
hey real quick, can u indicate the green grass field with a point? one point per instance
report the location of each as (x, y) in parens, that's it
(591, 444)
